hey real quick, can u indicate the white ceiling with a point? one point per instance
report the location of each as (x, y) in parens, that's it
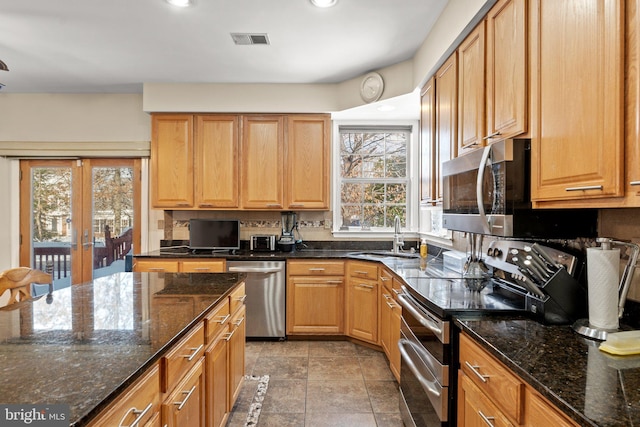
(90, 46)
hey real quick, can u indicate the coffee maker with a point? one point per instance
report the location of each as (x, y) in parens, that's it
(287, 241)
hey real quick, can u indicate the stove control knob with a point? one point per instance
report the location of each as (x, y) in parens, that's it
(494, 252)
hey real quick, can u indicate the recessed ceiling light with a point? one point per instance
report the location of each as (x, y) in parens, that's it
(180, 3)
(324, 3)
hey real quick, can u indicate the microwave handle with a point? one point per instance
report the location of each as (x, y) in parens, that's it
(479, 192)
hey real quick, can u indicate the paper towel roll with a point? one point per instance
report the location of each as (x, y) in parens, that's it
(603, 277)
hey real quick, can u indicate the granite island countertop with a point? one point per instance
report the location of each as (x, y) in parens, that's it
(91, 341)
(590, 386)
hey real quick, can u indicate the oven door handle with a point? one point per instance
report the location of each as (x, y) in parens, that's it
(479, 190)
(428, 385)
(433, 327)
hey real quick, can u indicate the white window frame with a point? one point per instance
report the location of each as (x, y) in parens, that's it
(413, 181)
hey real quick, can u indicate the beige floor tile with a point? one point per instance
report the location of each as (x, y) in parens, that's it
(331, 348)
(286, 348)
(281, 420)
(337, 397)
(285, 396)
(389, 420)
(384, 396)
(334, 368)
(321, 419)
(375, 368)
(282, 367)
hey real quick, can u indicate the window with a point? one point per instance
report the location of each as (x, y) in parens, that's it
(372, 182)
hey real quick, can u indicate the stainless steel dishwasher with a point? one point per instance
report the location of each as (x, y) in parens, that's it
(265, 289)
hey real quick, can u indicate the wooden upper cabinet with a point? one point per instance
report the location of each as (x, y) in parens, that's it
(507, 82)
(216, 161)
(307, 161)
(471, 91)
(577, 100)
(172, 160)
(262, 158)
(446, 102)
(428, 151)
(632, 110)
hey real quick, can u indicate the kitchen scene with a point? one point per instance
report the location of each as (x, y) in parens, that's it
(448, 236)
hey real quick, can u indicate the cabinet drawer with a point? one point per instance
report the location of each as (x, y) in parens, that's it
(315, 268)
(490, 376)
(236, 299)
(217, 266)
(477, 408)
(137, 405)
(363, 270)
(386, 279)
(217, 320)
(182, 357)
(143, 266)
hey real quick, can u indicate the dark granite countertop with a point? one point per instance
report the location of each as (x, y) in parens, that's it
(590, 386)
(94, 339)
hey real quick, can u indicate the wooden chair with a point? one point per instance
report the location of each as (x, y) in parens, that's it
(15, 284)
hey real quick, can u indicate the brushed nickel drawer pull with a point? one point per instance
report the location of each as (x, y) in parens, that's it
(139, 415)
(274, 205)
(634, 183)
(364, 285)
(156, 269)
(586, 187)
(493, 135)
(314, 269)
(188, 393)
(223, 319)
(239, 322)
(366, 273)
(334, 282)
(297, 205)
(202, 269)
(474, 369)
(385, 279)
(228, 335)
(194, 352)
(242, 298)
(487, 420)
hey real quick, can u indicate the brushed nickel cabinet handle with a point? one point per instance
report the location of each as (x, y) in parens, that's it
(228, 336)
(314, 269)
(634, 183)
(194, 352)
(486, 419)
(586, 187)
(474, 369)
(364, 285)
(188, 393)
(493, 135)
(139, 415)
(223, 319)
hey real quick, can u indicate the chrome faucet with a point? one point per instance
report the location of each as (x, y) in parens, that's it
(398, 242)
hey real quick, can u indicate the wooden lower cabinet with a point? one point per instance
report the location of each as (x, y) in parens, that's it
(362, 309)
(315, 297)
(236, 355)
(217, 381)
(185, 405)
(491, 394)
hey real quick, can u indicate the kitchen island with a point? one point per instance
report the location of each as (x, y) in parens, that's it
(83, 345)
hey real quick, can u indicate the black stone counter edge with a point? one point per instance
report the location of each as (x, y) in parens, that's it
(88, 417)
(562, 405)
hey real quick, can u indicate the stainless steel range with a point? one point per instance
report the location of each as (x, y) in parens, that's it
(428, 342)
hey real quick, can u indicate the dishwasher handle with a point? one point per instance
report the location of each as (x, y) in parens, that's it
(254, 269)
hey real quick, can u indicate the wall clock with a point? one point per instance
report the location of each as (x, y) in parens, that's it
(371, 87)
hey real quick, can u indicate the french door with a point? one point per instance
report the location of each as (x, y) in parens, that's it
(79, 218)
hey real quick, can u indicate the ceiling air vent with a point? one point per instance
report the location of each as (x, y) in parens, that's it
(248, 38)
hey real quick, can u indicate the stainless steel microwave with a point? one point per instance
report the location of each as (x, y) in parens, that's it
(488, 191)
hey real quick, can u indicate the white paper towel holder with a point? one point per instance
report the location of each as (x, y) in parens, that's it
(582, 326)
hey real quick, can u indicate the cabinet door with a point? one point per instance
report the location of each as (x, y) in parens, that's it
(428, 151)
(394, 336)
(577, 99)
(236, 355)
(262, 162)
(471, 91)
(216, 161)
(446, 116)
(475, 409)
(540, 413)
(362, 309)
(632, 110)
(216, 382)
(507, 90)
(172, 160)
(307, 162)
(385, 320)
(185, 405)
(315, 305)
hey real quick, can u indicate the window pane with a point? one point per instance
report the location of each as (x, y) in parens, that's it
(396, 193)
(392, 211)
(373, 167)
(374, 193)
(351, 166)
(374, 215)
(351, 216)
(352, 193)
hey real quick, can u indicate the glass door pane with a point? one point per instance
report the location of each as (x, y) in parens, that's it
(112, 217)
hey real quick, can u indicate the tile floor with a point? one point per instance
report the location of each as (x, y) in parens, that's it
(318, 384)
